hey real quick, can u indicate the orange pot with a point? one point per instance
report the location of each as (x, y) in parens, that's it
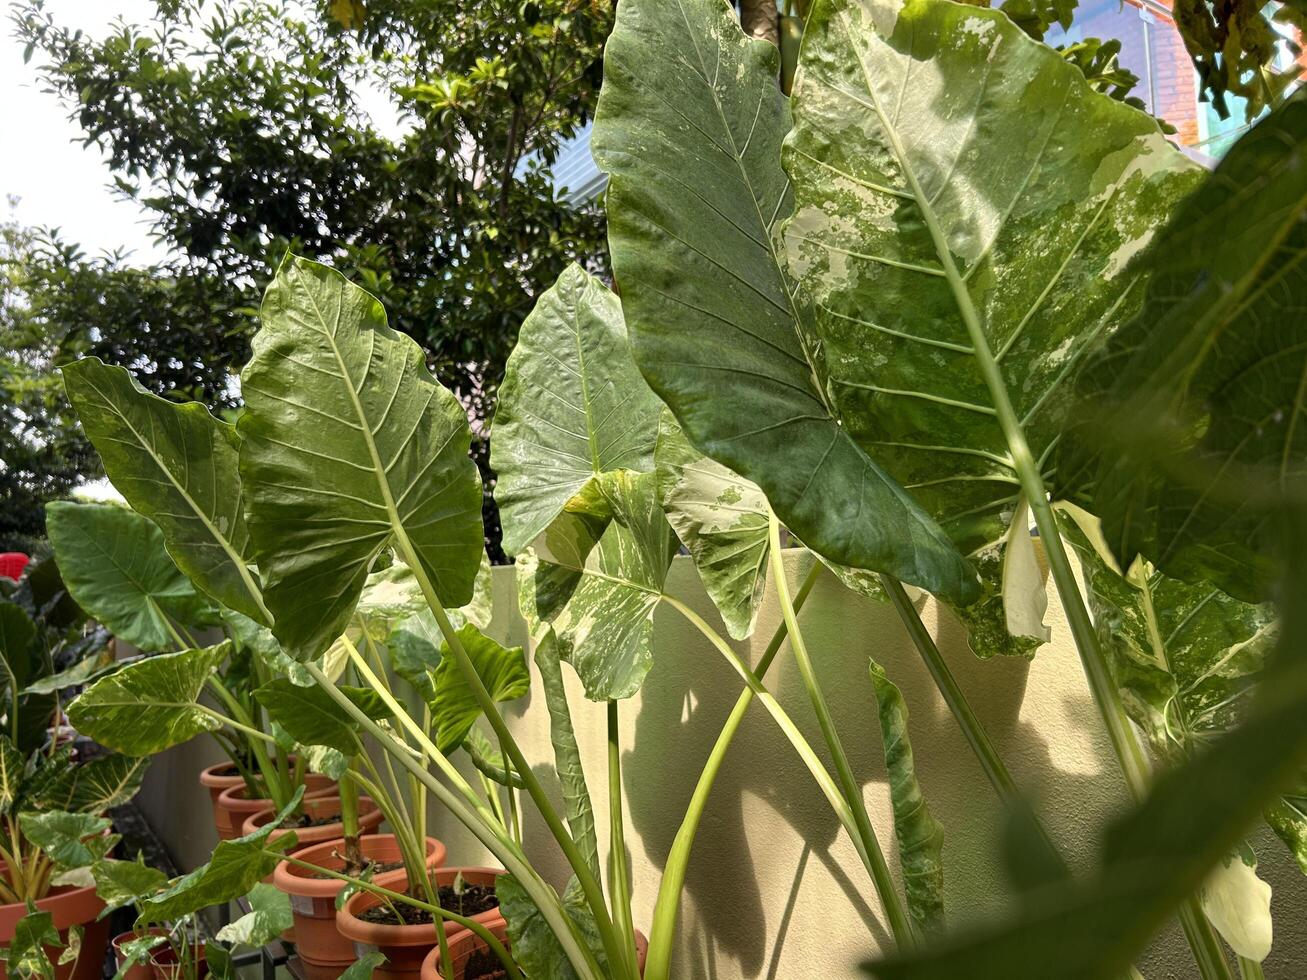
(370, 817)
(405, 947)
(467, 942)
(324, 953)
(232, 808)
(137, 971)
(68, 906)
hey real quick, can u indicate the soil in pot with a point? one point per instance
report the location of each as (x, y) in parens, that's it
(324, 953)
(471, 900)
(472, 959)
(319, 822)
(68, 906)
(406, 946)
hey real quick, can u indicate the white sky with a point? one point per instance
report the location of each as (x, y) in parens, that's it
(60, 183)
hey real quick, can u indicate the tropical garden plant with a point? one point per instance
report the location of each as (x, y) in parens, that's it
(945, 289)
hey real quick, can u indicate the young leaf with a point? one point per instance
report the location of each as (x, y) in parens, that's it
(361, 969)
(1205, 384)
(605, 630)
(70, 840)
(722, 519)
(689, 126)
(567, 754)
(268, 918)
(920, 835)
(349, 445)
(235, 867)
(150, 705)
(13, 768)
(177, 465)
(572, 406)
(117, 568)
(135, 952)
(924, 203)
(488, 759)
(1238, 904)
(123, 883)
(455, 709)
(26, 956)
(311, 717)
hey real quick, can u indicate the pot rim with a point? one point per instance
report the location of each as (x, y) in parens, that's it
(233, 797)
(370, 815)
(296, 881)
(61, 903)
(377, 934)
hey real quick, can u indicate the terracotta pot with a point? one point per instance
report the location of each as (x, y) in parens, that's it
(405, 947)
(232, 808)
(138, 971)
(324, 953)
(67, 907)
(370, 817)
(167, 966)
(463, 945)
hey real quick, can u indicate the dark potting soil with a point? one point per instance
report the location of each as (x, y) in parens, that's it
(474, 900)
(304, 820)
(483, 965)
(374, 867)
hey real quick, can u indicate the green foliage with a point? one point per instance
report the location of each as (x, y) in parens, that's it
(1197, 402)
(312, 718)
(455, 709)
(535, 947)
(117, 568)
(150, 705)
(269, 916)
(123, 883)
(572, 407)
(755, 398)
(25, 956)
(336, 470)
(71, 840)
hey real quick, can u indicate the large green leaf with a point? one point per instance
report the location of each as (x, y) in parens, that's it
(313, 718)
(177, 465)
(26, 956)
(455, 708)
(722, 519)
(920, 836)
(115, 565)
(70, 840)
(572, 406)
(1211, 370)
(535, 947)
(94, 786)
(945, 163)
(235, 867)
(17, 641)
(150, 705)
(349, 445)
(122, 883)
(689, 126)
(605, 626)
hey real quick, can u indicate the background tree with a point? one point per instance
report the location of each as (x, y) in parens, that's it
(246, 129)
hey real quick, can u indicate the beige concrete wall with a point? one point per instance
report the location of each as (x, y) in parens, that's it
(775, 890)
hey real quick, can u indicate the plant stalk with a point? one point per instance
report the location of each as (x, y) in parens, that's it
(619, 878)
(668, 906)
(899, 922)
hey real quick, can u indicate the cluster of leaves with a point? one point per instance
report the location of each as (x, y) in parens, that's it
(243, 130)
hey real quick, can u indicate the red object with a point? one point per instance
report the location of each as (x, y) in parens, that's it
(12, 564)
(68, 906)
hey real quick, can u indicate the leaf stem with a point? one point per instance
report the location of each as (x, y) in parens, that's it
(899, 922)
(619, 879)
(545, 898)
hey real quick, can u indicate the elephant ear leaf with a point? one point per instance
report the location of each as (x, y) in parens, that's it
(455, 708)
(925, 209)
(349, 446)
(150, 705)
(604, 628)
(177, 465)
(1209, 372)
(722, 519)
(572, 407)
(115, 565)
(689, 126)
(920, 836)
